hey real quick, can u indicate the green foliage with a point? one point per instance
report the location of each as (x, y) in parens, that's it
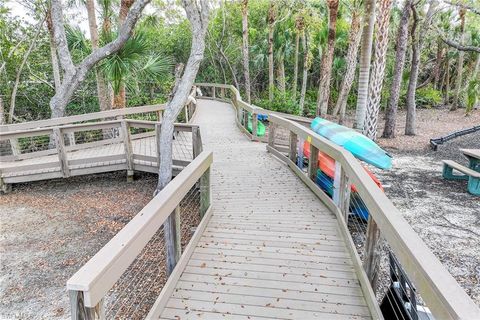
(472, 94)
(428, 97)
(280, 103)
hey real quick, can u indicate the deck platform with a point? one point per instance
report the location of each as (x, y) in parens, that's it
(271, 249)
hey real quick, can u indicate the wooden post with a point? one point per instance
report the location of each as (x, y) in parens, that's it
(186, 113)
(222, 93)
(197, 146)
(214, 96)
(4, 187)
(178, 234)
(313, 163)
(254, 126)
(62, 155)
(171, 234)
(14, 146)
(344, 200)
(245, 119)
(372, 252)
(157, 138)
(204, 192)
(271, 134)
(127, 143)
(293, 147)
(336, 183)
(159, 115)
(79, 311)
(71, 138)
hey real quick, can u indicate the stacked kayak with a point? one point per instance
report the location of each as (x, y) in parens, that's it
(360, 146)
(260, 126)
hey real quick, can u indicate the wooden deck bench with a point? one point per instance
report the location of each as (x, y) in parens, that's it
(472, 176)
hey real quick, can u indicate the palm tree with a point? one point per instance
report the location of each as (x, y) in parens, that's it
(326, 68)
(246, 59)
(378, 69)
(365, 60)
(103, 99)
(354, 37)
(401, 50)
(461, 55)
(299, 26)
(271, 24)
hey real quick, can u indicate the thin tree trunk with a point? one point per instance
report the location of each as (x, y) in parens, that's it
(2, 112)
(354, 37)
(300, 25)
(295, 67)
(401, 50)
(281, 75)
(378, 69)
(461, 57)
(246, 59)
(198, 17)
(438, 64)
(365, 61)
(120, 98)
(327, 61)
(446, 96)
(103, 98)
(53, 52)
(306, 67)
(13, 97)
(417, 43)
(271, 24)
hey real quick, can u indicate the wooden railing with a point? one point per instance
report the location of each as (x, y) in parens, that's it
(156, 109)
(441, 293)
(92, 283)
(70, 144)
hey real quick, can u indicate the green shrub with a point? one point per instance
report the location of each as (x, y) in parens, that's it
(426, 97)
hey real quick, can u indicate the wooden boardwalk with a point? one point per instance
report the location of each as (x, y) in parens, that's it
(271, 249)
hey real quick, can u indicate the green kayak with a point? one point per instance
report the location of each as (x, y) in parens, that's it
(260, 127)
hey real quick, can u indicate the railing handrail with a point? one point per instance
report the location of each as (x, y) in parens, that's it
(81, 117)
(90, 126)
(443, 295)
(101, 272)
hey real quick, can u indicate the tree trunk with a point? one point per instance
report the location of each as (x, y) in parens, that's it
(13, 97)
(354, 37)
(327, 61)
(378, 69)
(2, 112)
(446, 95)
(198, 18)
(438, 64)
(53, 52)
(246, 59)
(401, 50)
(281, 75)
(365, 61)
(300, 25)
(120, 97)
(102, 93)
(271, 24)
(461, 56)
(417, 43)
(306, 66)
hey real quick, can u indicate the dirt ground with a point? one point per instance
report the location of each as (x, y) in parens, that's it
(50, 229)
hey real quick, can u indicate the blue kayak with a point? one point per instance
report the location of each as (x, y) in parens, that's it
(359, 145)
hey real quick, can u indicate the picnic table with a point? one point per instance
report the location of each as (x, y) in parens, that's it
(471, 174)
(473, 156)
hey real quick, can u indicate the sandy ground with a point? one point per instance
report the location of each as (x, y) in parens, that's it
(50, 229)
(442, 212)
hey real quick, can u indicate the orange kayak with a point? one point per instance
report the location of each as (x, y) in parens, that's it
(327, 165)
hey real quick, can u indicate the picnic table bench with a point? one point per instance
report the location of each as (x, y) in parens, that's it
(471, 173)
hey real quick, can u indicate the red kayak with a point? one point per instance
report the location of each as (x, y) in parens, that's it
(327, 165)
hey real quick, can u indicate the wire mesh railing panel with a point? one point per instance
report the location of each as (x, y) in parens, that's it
(189, 214)
(182, 146)
(29, 144)
(137, 290)
(147, 116)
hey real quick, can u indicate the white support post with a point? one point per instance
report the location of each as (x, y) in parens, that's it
(62, 154)
(127, 143)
